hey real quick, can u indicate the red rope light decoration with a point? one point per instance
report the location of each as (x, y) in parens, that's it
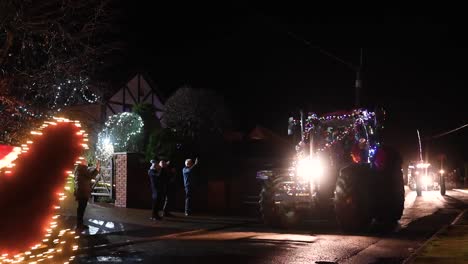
(31, 190)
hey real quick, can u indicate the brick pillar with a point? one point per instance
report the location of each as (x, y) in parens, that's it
(120, 179)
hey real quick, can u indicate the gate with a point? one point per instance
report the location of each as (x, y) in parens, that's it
(104, 183)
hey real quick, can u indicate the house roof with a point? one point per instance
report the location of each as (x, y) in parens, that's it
(262, 133)
(146, 76)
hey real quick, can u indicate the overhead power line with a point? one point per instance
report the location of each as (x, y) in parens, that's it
(448, 132)
(285, 29)
(353, 67)
(308, 43)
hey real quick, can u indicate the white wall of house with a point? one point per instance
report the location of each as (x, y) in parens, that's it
(137, 90)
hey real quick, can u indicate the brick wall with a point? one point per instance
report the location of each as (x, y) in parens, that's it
(121, 180)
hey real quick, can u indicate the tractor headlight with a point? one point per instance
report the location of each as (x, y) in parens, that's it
(309, 169)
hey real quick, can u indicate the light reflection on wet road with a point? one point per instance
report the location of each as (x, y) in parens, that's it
(315, 242)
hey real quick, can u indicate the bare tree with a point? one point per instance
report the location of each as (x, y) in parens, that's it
(195, 112)
(51, 51)
(16, 123)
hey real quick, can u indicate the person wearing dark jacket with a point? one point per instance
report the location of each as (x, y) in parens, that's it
(83, 175)
(159, 177)
(188, 184)
(169, 190)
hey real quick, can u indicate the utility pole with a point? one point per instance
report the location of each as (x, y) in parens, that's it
(357, 69)
(358, 83)
(420, 146)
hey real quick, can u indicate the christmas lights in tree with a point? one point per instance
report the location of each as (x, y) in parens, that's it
(123, 131)
(17, 120)
(54, 55)
(104, 147)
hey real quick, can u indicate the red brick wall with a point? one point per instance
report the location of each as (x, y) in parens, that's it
(121, 180)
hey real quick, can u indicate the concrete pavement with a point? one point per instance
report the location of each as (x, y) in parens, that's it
(448, 245)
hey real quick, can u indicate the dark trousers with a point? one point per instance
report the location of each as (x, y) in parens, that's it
(157, 200)
(188, 199)
(82, 203)
(154, 207)
(169, 195)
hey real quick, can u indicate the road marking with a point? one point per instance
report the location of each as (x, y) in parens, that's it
(455, 221)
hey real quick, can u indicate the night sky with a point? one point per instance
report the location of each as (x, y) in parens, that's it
(254, 55)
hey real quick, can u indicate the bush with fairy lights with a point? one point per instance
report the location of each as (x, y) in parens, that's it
(121, 133)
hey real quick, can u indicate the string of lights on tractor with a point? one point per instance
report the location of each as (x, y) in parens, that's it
(360, 117)
(53, 243)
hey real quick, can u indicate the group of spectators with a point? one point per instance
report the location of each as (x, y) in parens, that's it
(162, 180)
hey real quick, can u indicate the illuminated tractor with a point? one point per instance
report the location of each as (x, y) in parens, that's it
(340, 164)
(421, 177)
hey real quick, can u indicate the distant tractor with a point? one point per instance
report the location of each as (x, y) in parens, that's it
(340, 164)
(422, 177)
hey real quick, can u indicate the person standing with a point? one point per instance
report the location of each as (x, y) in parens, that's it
(83, 175)
(187, 172)
(157, 188)
(169, 189)
(159, 175)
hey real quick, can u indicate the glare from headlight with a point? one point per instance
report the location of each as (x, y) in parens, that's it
(309, 169)
(426, 180)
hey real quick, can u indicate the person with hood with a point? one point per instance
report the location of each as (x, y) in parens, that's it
(83, 175)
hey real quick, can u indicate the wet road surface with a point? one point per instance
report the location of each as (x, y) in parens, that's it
(225, 240)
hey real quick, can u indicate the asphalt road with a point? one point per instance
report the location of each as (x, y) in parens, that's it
(224, 240)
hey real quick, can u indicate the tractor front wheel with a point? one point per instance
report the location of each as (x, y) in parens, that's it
(273, 214)
(269, 211)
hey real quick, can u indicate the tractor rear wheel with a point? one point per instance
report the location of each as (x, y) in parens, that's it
(390, 196)
(442, 185)
(352, 205)
(389, 187)
(418, 186)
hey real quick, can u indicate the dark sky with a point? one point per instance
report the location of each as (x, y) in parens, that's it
(414, 62)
